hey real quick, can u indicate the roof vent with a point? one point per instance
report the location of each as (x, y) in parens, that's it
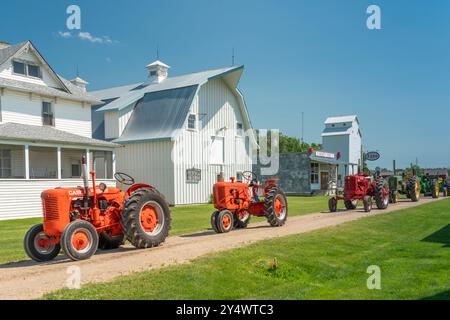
(80, 83)
(157, 71)
(4, 45)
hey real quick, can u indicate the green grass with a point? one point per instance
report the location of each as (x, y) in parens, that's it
(185, 219)
(411, 246)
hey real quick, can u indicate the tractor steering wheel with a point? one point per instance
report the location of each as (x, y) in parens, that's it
(124, 178)
(249, 176)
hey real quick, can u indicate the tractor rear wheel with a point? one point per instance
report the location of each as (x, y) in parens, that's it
(37, 245)
(214, 216)
(241, 219)
(350, 204)
(332, 204)
(382, 194)
(275, 207)
(413, 188)
(146, 218)
(434, 189)
(79, 240)
(367, 201)
(225, 221)
(108, 242)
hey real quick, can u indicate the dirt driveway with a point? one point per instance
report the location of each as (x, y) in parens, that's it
(27, 280)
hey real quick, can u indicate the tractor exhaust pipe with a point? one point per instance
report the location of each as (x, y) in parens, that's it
(85, 181)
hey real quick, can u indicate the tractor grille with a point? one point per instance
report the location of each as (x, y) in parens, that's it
(51, 208)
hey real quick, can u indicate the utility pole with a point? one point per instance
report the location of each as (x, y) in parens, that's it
(303, 127)
(232, 57)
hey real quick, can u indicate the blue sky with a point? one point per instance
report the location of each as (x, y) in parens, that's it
(315, 57)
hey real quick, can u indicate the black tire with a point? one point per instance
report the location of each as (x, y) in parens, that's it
(32, 248)
(393, 198)
(134, 230)
(332, 204)
(381, 201)
(214, 216)
(225, 221)
(350, 204)
(434, 189)
(88, 231)
(241, 222)
(367, 201)
(108, 242)
(274, 219)
(448, 191)
(444, 192)
(413, 194)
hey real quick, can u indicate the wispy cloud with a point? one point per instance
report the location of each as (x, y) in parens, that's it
(108, 59)
(87, 36)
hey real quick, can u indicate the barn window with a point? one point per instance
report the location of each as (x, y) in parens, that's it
(192, 122)
(314, 173)
(47, 114)
(239, 129)
(19, 67)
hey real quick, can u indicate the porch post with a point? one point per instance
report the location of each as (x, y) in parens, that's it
(27, 162)
(59, 162)
(88, 160)
(113, 162)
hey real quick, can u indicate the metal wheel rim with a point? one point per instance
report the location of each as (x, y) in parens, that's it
(88, 235)
(42, 250)
(281, 215)
(160, 216)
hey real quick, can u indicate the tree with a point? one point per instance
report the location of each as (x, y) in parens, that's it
(289, 144)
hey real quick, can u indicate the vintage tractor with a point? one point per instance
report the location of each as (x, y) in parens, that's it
(82, 219)
(362, 187)
(444, 186)
(405, 185)
(236, 202)
(429, 186)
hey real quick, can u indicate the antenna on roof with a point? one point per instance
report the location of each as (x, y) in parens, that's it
(78, 72)
(157, 52)
(232, 57)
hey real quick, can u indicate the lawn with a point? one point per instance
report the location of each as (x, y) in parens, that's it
(411, 246)
(185, 219)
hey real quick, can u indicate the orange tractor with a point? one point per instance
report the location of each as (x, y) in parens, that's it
(82, 219)
(237, 201)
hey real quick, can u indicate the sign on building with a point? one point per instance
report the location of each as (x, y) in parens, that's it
(193, 175)
(372, 156)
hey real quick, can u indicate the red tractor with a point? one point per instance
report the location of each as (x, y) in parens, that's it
(237, 201)
(365, 188)
(82, 219)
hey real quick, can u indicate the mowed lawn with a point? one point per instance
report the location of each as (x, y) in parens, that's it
(185, 219)
(411, 247)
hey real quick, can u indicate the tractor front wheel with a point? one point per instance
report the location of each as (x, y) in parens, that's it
(79, 240)
(275, 207)
(108, 242)
(38, 245)
(241, 219)
(382, 194)
(332, 204)
(413, 189)
(225, 221)
(435, 189)
(214, 216)
(146, 218)
(367, 201)
(393, 198)
(350, 204)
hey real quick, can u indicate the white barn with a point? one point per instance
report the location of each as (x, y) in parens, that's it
(179, 133)
(342, 134)
(45, 129)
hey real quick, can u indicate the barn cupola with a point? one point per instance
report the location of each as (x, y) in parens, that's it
(157, 71)
(80, 83)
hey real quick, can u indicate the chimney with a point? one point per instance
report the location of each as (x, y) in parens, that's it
(80, 83)
(4, 45)
(157, 71)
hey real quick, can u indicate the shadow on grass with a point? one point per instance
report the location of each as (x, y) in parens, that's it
(445, 295)
(441, 236)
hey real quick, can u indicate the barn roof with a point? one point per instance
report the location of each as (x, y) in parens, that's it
(340, 119)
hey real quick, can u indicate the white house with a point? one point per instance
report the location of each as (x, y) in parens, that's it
(45, 128)
(180, 133)
(342, 134)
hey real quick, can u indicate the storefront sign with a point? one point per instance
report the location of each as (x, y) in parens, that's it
(193, 175)
(324, 154)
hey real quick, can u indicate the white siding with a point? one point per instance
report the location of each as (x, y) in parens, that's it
(124, 116)
(217, 107)
(22, 198)
(26, 108)
(149, 162)
(111, 125)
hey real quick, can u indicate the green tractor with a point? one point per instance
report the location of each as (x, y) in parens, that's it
(445, 187)
(408, 185)
(430, 186)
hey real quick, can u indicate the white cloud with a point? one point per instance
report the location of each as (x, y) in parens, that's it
(64, 35)
(91, 38)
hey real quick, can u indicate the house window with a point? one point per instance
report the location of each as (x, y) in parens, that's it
(34, 71)
(239, 129)
(76, 170)
(192, 122)
(239, 176)
(47, 114)
(5, 163)
(19, 68)
(314, 173)
(43, 163)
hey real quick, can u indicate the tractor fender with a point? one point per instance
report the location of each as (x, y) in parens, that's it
(137, 186)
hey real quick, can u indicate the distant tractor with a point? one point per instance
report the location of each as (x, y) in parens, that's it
(444, 185)
(362, 187)
(404, 185)
(236, 202)
(80, 220)
(429, 186)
